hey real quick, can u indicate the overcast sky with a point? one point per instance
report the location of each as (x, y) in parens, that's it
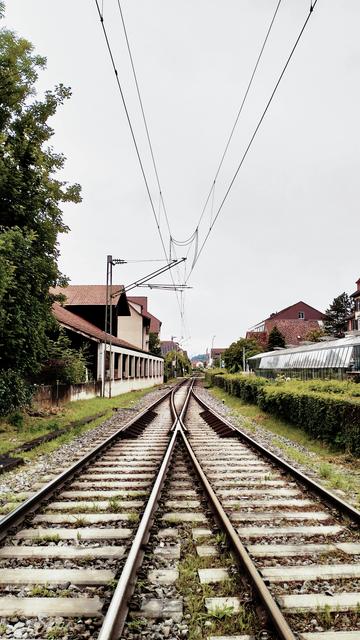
(289, 229)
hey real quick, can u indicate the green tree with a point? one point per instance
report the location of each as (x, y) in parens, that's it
(176, 364)
(154, 344)
(30, 213)
(335, 322)
(233, 356)
(64, 363)
(276, 339)
(315, 335)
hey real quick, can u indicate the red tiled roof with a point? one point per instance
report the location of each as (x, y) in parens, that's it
(141, 300)
(291, 306)
(155, 324)
(87, 294)
(72, 321)
(217, 351)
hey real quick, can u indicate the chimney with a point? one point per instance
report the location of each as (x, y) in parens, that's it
(358, 284)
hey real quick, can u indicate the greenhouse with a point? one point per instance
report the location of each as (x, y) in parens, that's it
(330, 359)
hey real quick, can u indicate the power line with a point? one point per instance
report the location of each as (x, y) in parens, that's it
(129, 121)
(143, 113)
(109, 48)
(312, 7)
(212, 189)
(161, 197)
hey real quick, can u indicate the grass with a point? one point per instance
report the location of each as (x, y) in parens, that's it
(41, 591)
(323, 615)
(34, 427)
(222, 621)
(51, 537)
(57, 631)
(136, 625)
(337, 470)
(3, 628)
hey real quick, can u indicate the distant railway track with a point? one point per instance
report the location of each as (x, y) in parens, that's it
(172, 485)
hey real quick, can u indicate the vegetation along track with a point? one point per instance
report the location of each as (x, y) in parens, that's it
(203, 490)
(64, 547)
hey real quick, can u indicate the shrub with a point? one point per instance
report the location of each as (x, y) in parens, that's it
(16, 419)
(15, 393)
(327, 410)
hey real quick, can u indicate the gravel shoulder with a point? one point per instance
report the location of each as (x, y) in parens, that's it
(23, 478)
(341, 478)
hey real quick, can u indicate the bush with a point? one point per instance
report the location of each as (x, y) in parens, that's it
(16, 419)
(65, 363)
(15, 392)
(327, 410)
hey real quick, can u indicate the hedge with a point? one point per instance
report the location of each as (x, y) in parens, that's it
(328, 414)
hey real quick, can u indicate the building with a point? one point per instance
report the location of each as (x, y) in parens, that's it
(142, 301)
(141, 323)
(89, 300)
(330, 359)
(120, 360)
(294, 322)
(169, 345)
(216, 353)
(354, 318)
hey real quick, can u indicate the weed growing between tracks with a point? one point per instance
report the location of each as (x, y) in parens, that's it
(222, 621)
(335, 470)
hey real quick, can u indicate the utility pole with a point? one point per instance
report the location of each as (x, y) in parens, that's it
(212, 346)
(108, 321)
(175, 372)
(244, 360)
(110, 294)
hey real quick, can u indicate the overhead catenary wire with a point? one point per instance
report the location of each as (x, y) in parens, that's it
(112, 59)
(245, 96)
(143, 114)
(161, 197)
(128, 119)
(312, 7)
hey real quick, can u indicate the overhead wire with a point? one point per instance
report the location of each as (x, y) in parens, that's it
(143, 113)
(161, 197)
(128, 118)
(112, 59)
(312, 7)
(227, 145)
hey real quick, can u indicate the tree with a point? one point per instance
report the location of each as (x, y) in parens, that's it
(233, 356)
(176, 364)
(154, 344)
(64, 363)
(276, 339)
(30, 213)
(335, 322)
(315, 335)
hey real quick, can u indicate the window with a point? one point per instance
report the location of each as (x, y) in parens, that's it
(301, 315)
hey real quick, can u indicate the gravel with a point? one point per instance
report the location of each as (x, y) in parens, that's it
(266, 438)
(23, 480)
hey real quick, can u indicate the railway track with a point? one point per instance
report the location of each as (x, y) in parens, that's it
(180, 526)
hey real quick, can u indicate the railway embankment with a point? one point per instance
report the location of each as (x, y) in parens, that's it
(40, 461)
(336, 470)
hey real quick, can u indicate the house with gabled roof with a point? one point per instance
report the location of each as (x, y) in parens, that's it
(294, 322)
(121, 360)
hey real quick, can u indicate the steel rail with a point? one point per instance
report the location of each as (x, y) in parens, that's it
(242, 555)
(173, 409)
(117, 612)
(343, 507)
(180, 416)
(32, 504)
